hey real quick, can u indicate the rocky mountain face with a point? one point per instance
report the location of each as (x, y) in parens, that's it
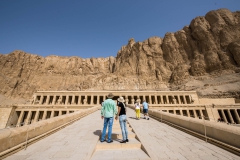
(210, 45)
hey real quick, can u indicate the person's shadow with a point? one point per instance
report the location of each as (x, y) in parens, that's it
(97, 132)
(132, 117)
(114, 135)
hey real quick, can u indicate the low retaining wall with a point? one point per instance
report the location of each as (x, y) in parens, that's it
(12, 137)
(218, 131)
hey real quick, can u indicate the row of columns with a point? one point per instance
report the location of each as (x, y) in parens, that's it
(75, 100)
(97, 99)
(195, 113)
(228, 117)
(164, 99)
(28, 116)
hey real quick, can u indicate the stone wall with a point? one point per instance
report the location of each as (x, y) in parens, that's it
(237, 100)
(222, 101)
(5, 113)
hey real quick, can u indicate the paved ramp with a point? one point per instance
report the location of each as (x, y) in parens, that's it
(160, 141)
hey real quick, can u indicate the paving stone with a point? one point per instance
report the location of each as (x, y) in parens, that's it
(18, 157)
(212, 157)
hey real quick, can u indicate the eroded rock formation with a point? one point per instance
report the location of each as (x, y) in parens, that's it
(209, 44)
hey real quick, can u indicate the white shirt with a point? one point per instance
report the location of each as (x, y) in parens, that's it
(137, 106)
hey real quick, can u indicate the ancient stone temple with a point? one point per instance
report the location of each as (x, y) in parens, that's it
(49, 104)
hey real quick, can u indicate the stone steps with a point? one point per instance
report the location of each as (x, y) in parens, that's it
(118, 135)
(116, 150)
(121, 154)
(133, 143)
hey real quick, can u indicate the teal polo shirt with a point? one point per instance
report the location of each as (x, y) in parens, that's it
(109, 108)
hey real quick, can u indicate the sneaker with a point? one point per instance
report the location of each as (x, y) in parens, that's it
(102, 141)
(144, 117)
(148, 119)
(110, 141)
(123, 141)
(126, 140)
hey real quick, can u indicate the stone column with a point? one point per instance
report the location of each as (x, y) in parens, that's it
(67, 112)
(181, 112)
(44, 114)
(230, 116)
(184, 100)
(144, 97)
(237, 117)
(156, 100)
(41, 100)
(167, 99)
(201, 114)
(194, 113)
(66, 100)
(79, 99)
(27, 121)
(47, 100)
(59, 112)
(188, 113)
(20, 119)
(126, 100)
(224, 117)
(73, 100)
(52, 114)
(150, 99)
(36, 116)
(85, 100)
(179, 99)
(54, 100)
(174, 111)
(98, 100)
(91, 101)
(161, 99)
(132, 100)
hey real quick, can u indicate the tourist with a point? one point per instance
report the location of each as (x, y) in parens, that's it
(145, 109)
(137, 109)
(122, 119)
(107, 112)
(219, 119)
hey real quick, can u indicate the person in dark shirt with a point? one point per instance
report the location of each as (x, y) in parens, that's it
(122, 119)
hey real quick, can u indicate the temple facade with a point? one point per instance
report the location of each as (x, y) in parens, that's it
(48, 104)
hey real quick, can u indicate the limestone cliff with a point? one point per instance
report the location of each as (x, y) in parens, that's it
(209, 45)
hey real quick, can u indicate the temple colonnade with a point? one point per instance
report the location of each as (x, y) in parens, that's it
(95, 98)
(28, 116)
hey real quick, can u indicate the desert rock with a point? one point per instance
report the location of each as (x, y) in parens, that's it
(210, 45)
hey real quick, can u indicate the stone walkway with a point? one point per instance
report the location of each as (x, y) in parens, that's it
(80, 141)
(165, 142)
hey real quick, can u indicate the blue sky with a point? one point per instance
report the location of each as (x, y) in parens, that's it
(93, 28)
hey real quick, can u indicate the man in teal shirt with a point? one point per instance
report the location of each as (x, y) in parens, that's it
(107, 112)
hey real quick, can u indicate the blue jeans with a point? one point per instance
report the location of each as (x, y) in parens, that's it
(108, 122)
(123, 125)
